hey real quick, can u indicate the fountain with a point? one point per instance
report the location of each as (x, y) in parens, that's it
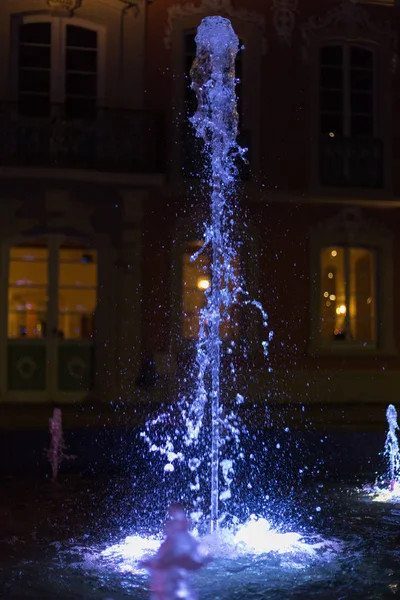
(258, 553)
(216, 123)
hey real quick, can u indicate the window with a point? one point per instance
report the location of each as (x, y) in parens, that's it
(347, 295)
(52, 299)
(351, 286)
(29, 292)
(351, 154)
(347, 91)
(58, 62)
(196, 280)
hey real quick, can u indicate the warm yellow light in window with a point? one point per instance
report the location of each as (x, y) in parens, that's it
(341, 310)
(326, 294)
(331, 134)
(330, 275)
(369, 300)
(203, 284)
(334, 253)
(332, 297)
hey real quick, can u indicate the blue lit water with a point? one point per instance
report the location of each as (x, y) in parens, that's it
(52, 538)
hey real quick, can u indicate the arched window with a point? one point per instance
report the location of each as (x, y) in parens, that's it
(347, 91)
(58, 63)
(351, 303)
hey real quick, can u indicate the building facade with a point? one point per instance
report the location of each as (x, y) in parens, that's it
(102, 204)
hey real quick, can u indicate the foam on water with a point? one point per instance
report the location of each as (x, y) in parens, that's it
(254, 538)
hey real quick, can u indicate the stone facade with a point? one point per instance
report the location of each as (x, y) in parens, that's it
(110, 180)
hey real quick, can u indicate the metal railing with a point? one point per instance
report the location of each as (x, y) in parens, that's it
(114, 140)
(351, 162)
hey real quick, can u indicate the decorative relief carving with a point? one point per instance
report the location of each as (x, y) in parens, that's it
(351, 16)
(212, 7)
(284, 19)
(64, 6)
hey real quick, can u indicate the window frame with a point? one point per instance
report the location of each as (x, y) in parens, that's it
(346, 70)
(58, 54)
(350, 229)
(347, 285)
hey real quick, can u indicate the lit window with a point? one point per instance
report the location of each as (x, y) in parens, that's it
(348, 295)
(33, 292)
(196, 282)
(27, 292)
(77, 294)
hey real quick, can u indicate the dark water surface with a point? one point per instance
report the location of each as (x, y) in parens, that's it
(51, 538)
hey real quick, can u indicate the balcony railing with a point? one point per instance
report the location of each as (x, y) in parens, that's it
(351, 162)
(114, 141)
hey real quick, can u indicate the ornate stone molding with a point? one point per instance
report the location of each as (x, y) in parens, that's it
(212, 7)
(352, 16)
(64, 6)
(284, 19)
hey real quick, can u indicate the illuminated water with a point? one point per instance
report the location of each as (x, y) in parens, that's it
(351, 551)
(202, 432)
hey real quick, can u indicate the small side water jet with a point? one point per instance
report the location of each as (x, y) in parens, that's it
(392, 448)
(387, 488)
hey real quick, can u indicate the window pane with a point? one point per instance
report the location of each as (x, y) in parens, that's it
(77, 296)
(347, 305)
(331, 78)
(331, 55)
(361, 80)
(333, 294)
(35, 33)
(331, 123)
(360, 57)
(362, 125)
(27, 292)
(31, 80)
(35, 56)
(362, 290)
(81, 84)
(82, 60)
(362, 103)
(81, 37)
(331, 101)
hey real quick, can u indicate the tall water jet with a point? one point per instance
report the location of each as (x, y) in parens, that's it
(216, 121)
